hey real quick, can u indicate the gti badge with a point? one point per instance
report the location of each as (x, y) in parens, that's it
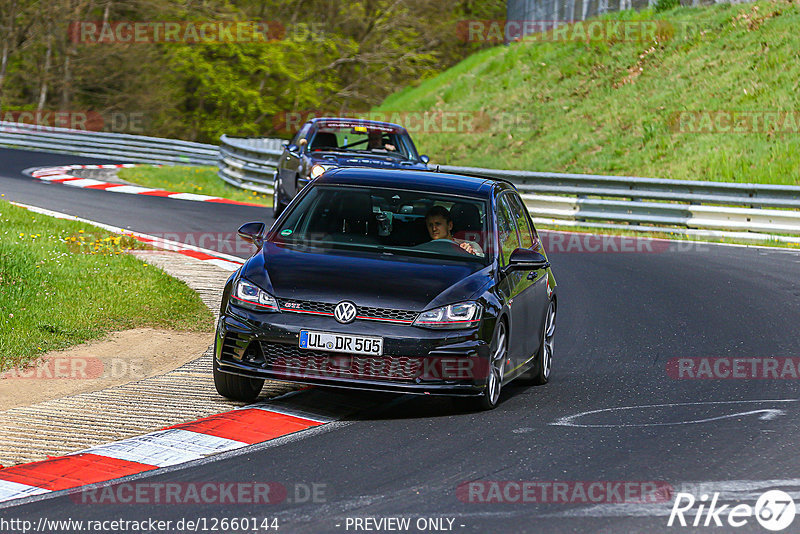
(345, 312)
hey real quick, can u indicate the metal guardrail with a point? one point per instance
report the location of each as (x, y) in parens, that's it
(653, 204)
(119, 147)
(249, 163)
(634, 203)
(747, 211)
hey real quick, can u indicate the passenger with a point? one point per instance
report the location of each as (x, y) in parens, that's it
(440, 226)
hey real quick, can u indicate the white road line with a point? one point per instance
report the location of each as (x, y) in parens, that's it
(83, 182)
(15, 490)
(132, 189)
(224, 264)
(166, 447)
(192, 196)
(49, 177)
(769, 414)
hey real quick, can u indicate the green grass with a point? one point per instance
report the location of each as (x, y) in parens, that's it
(200, 180)
(588, 108)
(64, 282)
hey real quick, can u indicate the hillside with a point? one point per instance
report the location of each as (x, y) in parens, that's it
(713, 97)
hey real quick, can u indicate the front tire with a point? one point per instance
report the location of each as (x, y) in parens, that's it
(235, 387)
(497, 365)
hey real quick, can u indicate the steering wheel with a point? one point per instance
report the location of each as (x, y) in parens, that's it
(443, 245)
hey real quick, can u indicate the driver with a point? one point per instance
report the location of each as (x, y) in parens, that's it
(377, 142)
(440, 226)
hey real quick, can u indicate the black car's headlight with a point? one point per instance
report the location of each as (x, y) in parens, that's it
(460, 315)
(317, 170)
(249, 295)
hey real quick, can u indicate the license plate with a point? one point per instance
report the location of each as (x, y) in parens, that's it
(350, 344)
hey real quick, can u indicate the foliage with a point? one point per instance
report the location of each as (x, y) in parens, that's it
(654, 108)
(64, 282)
(329, 56)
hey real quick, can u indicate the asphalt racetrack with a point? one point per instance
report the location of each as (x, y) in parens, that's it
(614, 412)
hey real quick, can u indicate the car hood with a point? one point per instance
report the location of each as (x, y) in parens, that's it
(377, 161)
(374, 280)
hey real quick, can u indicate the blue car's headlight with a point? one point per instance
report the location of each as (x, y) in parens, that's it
(318, 169)
(249, 295)
(460, 315)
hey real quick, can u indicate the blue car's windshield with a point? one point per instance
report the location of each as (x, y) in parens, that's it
(363, 138)
(388, 221)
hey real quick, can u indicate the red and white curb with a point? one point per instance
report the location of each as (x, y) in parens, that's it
(178, 444)
(61, 175)
(220, 259)
(256, 423)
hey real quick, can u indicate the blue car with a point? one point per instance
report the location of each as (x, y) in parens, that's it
(328, 143)
(403, 281)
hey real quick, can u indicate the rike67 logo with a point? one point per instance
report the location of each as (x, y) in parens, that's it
(774, 510)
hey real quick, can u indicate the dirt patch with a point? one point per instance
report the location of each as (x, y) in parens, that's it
(119, 358)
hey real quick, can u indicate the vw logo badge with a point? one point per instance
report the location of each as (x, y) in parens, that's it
(345, 312)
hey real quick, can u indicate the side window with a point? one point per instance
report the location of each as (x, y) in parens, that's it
(509, 239)
(526, 232)
(301, 134)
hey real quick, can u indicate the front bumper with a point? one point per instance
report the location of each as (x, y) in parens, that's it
(415, 360)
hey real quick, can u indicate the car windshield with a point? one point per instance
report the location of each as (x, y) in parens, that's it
(363, 138)
(388, 221)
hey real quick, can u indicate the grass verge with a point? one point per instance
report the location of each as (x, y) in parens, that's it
(714, 100)
(182, 179)
(64, 282)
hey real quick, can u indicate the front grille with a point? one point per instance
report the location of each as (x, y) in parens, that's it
(364, 312)
(387, 314)
(292, 360)
(305, 306)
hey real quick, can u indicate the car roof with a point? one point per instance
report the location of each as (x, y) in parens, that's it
(365, 122)
(435, 182)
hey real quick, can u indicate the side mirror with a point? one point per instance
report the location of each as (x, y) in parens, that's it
(424, 159)
(526, 259)
(253, 232)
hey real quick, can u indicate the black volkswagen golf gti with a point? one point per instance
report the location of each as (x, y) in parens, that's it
(405, 281)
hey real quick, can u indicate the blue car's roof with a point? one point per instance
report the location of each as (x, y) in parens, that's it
(435, 182)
